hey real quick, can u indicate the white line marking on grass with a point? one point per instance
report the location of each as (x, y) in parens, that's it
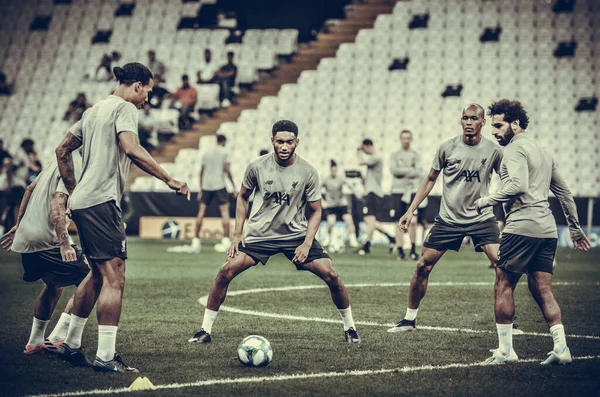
(203, 301)
(256, 379)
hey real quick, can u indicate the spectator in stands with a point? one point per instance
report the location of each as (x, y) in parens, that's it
(106, 64)
(187, 97)
(76, 108)
(157, 68)
(156, 96)
(12, 187)
(398, 64)
(147, 128)
(21, 160)
(206, 74)
(263, 152)
(226, 79)
(5, 87)
(3, 153)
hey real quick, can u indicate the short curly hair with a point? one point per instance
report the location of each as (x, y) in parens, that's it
(512, 110)
(285, 125)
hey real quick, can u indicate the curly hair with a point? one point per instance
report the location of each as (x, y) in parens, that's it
(512, 110)
(131, 73)
(285, 125)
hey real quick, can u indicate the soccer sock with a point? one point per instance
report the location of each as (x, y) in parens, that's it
(391, 238)
(411, 314)
(505, 338)
(38, 329)
(107, 339)
(209, 318)
(413, 248)
(558, 335)
(401, 251)
(76, 327)
(367, 244)
(61, 328)
(347, 318)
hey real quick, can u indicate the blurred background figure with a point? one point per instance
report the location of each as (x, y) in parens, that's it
(157, 68)
(76, 108)
(147, 128)
(187, 96)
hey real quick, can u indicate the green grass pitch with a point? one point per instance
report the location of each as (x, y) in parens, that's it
(161, 311)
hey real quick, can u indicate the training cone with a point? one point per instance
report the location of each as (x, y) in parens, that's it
(142, 383)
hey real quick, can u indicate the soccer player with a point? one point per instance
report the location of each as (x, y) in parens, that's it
(284, 183)
(405, 168)
(47, 253)
(528, 173)
(108, 133)
(337, 204)
(373, 193)
(467, 162)
(216, 164)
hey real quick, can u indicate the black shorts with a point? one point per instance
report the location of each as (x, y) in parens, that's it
(399, 207)
(221, 196)
(339, 212)
(371, 203)
(101, 231)
(522, 254)
(499, 212)
(444, 236)
(261, 251)
(49, 266)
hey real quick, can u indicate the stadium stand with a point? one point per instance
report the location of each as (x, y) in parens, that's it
(353, 95)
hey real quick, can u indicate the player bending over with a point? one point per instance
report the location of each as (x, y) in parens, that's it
(528, 172)
(284, 183)
(47, 253)
(467, 162)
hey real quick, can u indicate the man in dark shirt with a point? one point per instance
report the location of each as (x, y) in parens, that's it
(226, 79)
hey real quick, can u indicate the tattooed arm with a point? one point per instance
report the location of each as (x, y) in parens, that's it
(59, 221)
(65, 160)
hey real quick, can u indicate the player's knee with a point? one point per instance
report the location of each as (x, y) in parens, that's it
(331, 277)
(424, 267)
(226, 274)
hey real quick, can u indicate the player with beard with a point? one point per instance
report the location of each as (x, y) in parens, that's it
(284, 183)
(528, 173)
(467, 162)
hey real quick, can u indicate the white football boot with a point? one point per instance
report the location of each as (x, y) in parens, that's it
(563, 358)
(499, 358)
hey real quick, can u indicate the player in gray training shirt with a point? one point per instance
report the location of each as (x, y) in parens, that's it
(373, 193)
(284, 183)
(108, 134)
(405, 166)
(529, 239)
(336, 204)
(47, 253)
(467, 162)
(216, 165)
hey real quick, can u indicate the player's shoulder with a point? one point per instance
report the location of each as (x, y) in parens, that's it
(451, 143)
(305, 164)
(491, 145)
(261, 161)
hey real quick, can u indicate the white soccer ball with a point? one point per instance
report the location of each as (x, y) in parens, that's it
(255, 351)
(337, 246)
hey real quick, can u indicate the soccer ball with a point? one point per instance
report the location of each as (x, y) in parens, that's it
(255, 351)
(337, 246)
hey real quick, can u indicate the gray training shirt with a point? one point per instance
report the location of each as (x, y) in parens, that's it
(36, 230)
(467, 173)
(214, 162)
(374, 175)
(281, 194)
(105, 164)
(405, 166)
(528, 174)
(334, 191)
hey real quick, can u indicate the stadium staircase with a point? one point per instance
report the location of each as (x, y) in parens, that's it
(360, 16)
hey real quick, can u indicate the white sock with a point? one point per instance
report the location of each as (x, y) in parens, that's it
(209, 318)
(505, 338)
(76, 327)
(411, 314)
(38, 330)
(196, 242)
(61, 328)
(107, 339)
(347, 318)
(558, 335)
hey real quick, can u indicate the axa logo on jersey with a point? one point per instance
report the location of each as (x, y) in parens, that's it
(469, 176)
(281, 198)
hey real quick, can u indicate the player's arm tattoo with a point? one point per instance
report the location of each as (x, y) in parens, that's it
(59, 220)
(25, 202)
(65, 160)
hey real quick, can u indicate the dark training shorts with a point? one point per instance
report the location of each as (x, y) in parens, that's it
(522, 254)
(339, 212)
(221, 196)
(49, 266)
(371, 203)
(261, 251)
(444, 236)
(101, 232)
